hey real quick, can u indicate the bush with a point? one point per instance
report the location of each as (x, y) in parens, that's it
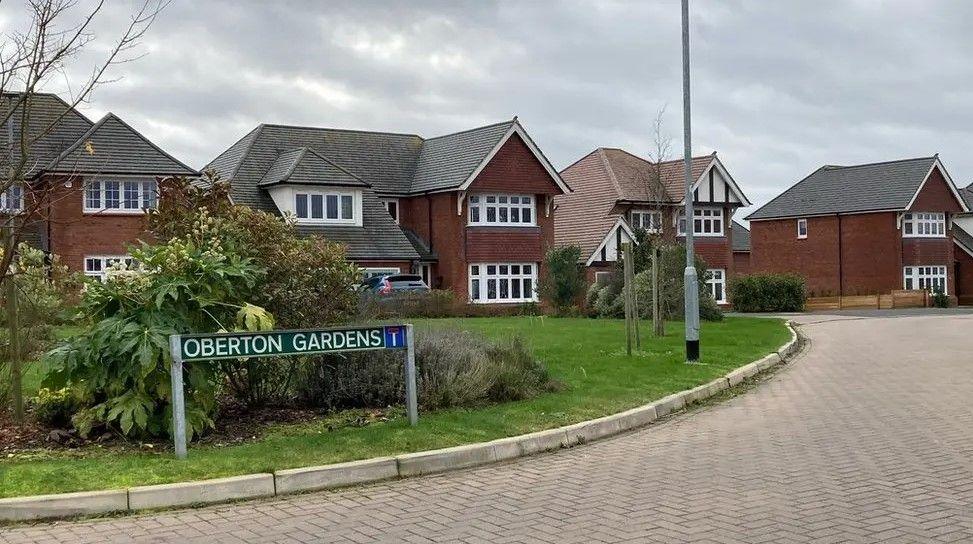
(606, 300)
(940, 299)
(120, 365)
(769, 293)
(433, 303)
(563, 280)
(454, 368)
(54, 408)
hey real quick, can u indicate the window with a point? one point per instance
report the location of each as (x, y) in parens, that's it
(802, 228)
(930, 278)
(12, 200)
(120, 195)
(649, 221)
(503, 282)
(507, 210)
(706, 222)
(716, 280)
(324, 207)
(392, 206)
(924, 225)
(100, 267)
(601, 278)
(373, 272)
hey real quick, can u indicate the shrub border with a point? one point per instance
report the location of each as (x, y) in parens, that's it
(366, 471)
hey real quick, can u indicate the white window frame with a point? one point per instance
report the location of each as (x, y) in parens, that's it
(372, 272)
(398, 208)
(339, 197)
(16, 193)
(638, 218)
(105, 261)
(602, 277)
(480, 206)
(801, 223)
(95, 195)
(707, 216)
(480, 277)
(924, 225)
(925, 277)
(717, 277)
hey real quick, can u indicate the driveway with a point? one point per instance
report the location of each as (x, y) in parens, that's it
(866, 437)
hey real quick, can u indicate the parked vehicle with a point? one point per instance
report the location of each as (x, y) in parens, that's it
(392, 284)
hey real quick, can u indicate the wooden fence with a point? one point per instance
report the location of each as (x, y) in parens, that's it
(896, 299)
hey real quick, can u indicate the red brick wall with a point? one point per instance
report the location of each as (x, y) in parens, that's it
(964, 283)
(74, 234)
(936, 196)
(870, 254)
(775, 248)
(515, 169)
(741, 263)
(496, 244)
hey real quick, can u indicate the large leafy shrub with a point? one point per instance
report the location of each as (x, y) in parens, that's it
(606, 299)
(308, 281)
(563, 280)
(769, 293)
(119, 367)
(454, 368)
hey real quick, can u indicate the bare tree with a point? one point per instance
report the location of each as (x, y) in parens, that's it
(53, 38)
(659, 204)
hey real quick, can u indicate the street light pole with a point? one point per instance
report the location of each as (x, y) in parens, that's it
(689, 277)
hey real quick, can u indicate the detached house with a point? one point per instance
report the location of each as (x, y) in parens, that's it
(88, 183)
(470, 211)
(615, 193)
(863, 230)
(963, 239)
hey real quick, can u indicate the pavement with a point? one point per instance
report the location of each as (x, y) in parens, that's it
(866, 437)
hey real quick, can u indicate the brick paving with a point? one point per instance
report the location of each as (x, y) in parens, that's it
(866, 437)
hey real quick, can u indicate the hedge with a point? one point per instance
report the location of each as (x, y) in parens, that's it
(769, 293)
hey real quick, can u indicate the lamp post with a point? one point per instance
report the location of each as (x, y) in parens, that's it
(689, 276)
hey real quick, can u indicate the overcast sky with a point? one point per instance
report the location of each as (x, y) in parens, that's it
(779, 87)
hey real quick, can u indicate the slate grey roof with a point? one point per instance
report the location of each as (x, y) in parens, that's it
(111, 146)
(305, 167)
(963, 237)
(391, 164)
(76, 145)
(379, 237)
(967, 194)
(425, 252)
(847, 189)
(741, 237)
(447, 161)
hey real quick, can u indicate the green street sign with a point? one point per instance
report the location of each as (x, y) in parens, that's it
(187, 348)
(209, 347)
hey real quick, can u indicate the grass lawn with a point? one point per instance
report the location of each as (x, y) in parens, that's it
(587, 356)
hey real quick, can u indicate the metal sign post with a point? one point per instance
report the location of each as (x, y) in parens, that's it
(220, 346)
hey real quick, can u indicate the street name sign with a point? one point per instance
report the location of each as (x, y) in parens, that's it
(191, 348)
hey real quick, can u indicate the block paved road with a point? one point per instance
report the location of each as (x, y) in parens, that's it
(866, 437)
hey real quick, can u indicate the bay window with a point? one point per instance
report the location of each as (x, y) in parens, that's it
(716, 281)
(501, 209)
(924, 225)
(503, 282)
(120, 195)
(706, 222)
(649, 221)
(930, 278)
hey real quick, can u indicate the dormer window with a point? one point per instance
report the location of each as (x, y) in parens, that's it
(12, 200)
(319, 206)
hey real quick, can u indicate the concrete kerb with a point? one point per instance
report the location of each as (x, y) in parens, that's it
(374, 470)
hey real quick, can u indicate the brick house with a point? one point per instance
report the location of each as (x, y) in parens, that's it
(616, 192)
(864, 229)
(89, 183)
(963, 239)
(470, 211)
(741, 249)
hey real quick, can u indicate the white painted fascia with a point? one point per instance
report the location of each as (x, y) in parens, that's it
(620, 224)
(949, 182)
(716, 163)
(515, 128)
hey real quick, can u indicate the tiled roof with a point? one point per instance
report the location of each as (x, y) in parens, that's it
(378, 237)
(963, 237)
(304, 166)
(389, 163)
(741, 237)
(47, 112)
(847, 189)
(111, 146)
(603, 178)
(967, 194)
